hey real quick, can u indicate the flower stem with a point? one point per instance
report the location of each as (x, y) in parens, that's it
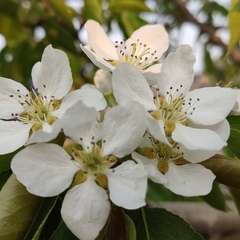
(145, 223)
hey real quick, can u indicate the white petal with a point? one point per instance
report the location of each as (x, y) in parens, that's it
(81, 124)
(9, 105)
(156, 128)
(129, 84)
(222, 128)
(236, 108)
(14, 135)
(150, 165)
(189, 179)
(177, 71)
(46, 136)
(196, 156)
(90, 97)
(124, 127)
(154, 36)
(197, 139)
(213, 106)
(52, 76)
(152, 74)
(85, 209)
(128, 185)
(96, 59)
(45, 169)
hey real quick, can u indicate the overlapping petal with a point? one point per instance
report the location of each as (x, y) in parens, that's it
(124, 126)
(177, 72)
(128, 185)
(129, 84)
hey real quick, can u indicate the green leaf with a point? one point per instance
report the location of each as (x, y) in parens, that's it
(216, 198)
(4, 175)
(92, 10)
(17, 209)
(126, 5)
(155, 223)
(132, 235)
(226, 170)
(233, 25)
(233, 140)
(41, 218)
(63, 233)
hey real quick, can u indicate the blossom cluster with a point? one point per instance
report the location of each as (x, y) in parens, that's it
(157, 128)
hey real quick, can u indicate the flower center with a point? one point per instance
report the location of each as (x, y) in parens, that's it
(164, 154)
(93, 163)
(37, 109)
(172, 109)
(137, 54)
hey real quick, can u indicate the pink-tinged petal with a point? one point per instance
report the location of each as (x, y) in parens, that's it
(52, 76)
(197, 139)
(13, 135)
(213, 106)
(129, 84)
(128, 185)
(11, 92)
(189, 179)
(124, 126)
(96, 59)
(81, 124)
(46, 134)
(85, 209)
(99, 41)
(45, 169)
(89, 96)
(177, 74)
(150, 165)
(156, 128)
(154, 36)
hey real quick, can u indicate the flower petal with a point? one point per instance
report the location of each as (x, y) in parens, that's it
(81, 124)
(189, 179)
(154, 36)
(197, 139)
(128, 185)
(10, 94)
(45, 169)
(213, 106)
(14, 135)
(46, 136)
(156, 128)
(52, 76)
(103, 81)
(177, 72)
(150, 165)
(85, 209)
(129, 84)
(96, 59)
(124, 127)
(99, 41)
(89, 96)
